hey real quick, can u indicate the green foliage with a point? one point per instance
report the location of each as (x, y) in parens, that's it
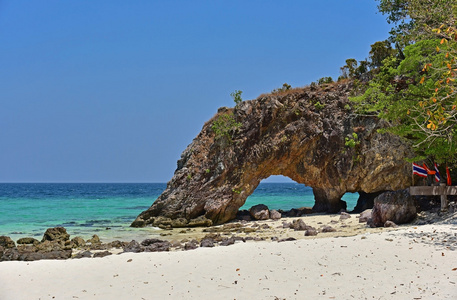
(207, 171)
(324, 80)
(189, 177)
(225, 126)
(419, 103)
(380, 51)
(285, 87)
(237, 191)
(352, 142)
(318, 105)
(349, 69)
(236, 95)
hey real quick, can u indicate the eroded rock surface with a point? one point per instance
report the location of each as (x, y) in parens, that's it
(310, 135)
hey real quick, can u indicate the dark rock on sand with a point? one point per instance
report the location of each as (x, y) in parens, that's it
(344, 216)
(6, 242)
(365, 216)
(243, 215)
(298, 225)
(398, 207)
(84, 254)
(275, 215)
(328, 229)
(289, 239)
(390, 224)
(27, 240)
(78, 242)
(156, 245)
(133, 246)
(311, 231)
(94, 240)
(58, 234)
(227, 242)
(102, 254)
(260, 212)
(207, 242)
(193, 244)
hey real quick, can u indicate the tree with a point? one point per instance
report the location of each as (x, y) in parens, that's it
(349, 69)
(236, 96)
(380, 51)
(417, 95)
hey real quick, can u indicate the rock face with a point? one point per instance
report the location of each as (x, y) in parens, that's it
(397, 207)
(309, 135)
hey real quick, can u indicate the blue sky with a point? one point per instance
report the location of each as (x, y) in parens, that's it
(114, 91)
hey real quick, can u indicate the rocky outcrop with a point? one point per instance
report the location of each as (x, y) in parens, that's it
(310, 135)
(397, 207)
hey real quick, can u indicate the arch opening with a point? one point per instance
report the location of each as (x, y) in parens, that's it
(280, 193)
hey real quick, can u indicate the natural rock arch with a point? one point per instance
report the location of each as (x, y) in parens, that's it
(300, 134)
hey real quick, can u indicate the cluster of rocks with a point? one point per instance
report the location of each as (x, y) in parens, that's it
(55, 244)
(262, 212)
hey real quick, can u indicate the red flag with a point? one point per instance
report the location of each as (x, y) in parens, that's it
(448, 176)
(429, 172)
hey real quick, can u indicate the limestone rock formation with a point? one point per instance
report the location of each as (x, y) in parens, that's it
(310, 135)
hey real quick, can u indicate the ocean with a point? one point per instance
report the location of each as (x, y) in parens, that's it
(107, 209)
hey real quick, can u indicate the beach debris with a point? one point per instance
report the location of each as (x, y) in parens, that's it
(260, 212)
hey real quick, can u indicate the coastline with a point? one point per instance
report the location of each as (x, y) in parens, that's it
(355, 262)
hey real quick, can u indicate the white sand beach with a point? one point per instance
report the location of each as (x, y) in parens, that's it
(414, 262)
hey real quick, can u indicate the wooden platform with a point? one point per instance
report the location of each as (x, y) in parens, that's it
(432, 190)
(443, 191)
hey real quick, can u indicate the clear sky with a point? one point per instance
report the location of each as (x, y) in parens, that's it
(114, 90)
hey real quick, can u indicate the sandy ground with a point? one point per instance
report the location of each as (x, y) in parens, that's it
(414, 262)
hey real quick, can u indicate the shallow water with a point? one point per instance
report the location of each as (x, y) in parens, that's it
(107, 209)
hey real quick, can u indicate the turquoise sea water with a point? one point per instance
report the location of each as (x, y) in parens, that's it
(107, 209)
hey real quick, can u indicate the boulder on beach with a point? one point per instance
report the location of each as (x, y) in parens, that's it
(397, 206)
(275, 215)
(57, 234)
(260, 212)
(6, 242)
